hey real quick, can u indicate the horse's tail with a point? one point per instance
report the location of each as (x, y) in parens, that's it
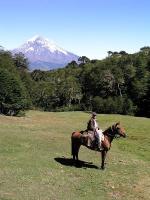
(75, 142)
(72, 144)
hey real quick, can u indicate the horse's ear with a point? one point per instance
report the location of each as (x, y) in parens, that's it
(113, 126)
(118, 123)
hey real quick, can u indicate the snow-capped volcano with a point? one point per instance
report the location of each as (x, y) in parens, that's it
(43, 43)
(44, 54)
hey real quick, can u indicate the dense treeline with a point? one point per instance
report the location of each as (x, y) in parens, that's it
(118, 84)
(13, 93)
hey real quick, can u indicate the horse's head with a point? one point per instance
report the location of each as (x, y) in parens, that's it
(119, 131)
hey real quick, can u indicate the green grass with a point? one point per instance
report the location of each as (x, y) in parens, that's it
(35, 159)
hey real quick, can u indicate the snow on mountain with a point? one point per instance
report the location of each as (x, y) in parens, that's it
(44, 54)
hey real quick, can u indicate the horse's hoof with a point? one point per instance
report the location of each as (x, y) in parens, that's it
(102, 168)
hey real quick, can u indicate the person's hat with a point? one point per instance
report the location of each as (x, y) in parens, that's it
(94, 113)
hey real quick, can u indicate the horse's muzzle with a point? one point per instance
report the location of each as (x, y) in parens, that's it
(125, 135)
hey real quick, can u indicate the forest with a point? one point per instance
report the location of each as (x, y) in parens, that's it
(118, 84)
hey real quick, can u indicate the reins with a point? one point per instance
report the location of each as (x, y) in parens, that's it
(111, 132)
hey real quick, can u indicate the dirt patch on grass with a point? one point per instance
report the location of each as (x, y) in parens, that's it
(142, 188)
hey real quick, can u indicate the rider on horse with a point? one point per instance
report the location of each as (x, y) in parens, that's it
(92, 128)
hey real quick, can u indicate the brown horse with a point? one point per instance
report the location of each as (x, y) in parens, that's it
(78, 139)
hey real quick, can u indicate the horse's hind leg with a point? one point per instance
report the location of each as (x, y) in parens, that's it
(75, 149)
(74, 156)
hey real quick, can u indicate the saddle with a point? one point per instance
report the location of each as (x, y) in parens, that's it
(91, 141)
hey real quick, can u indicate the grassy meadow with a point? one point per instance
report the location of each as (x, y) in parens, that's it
(35, 159)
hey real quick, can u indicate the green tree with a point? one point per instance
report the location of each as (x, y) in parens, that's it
(70, 91)
(44, 96)
(83, 59)
(12, 93)
(21, 62)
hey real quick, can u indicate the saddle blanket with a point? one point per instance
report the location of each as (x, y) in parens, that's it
(100, 134)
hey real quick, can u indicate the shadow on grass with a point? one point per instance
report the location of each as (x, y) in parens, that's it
(72, 163)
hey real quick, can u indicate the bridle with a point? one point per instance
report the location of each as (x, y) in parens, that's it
(112, 132)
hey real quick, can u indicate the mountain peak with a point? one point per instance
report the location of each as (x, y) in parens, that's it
(44, 43)
(40, 49)
(39, 38)
(34, 38)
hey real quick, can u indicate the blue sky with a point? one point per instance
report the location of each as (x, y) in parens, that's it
(84, 27)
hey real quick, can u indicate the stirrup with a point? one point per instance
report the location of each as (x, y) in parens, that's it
(100, 148)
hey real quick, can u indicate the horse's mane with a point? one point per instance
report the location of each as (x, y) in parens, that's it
(107, 130)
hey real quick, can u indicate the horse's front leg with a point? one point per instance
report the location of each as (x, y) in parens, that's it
(103, 155)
